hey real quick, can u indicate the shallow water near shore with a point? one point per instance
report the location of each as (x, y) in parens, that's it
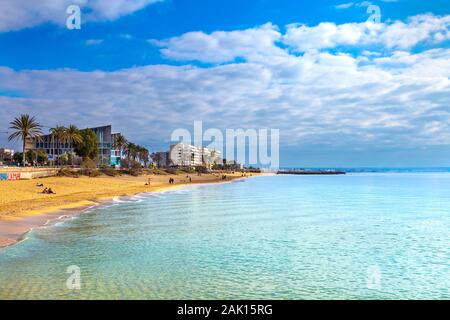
(359, 236)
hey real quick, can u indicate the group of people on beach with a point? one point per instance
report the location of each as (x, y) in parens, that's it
(171, 180)
(46, 190)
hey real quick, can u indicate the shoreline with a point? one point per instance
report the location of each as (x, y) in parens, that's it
(14, 228)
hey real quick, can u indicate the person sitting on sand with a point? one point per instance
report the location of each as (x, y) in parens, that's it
(50, 191)
(45, 190)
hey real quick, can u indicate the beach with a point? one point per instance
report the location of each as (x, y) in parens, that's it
(24, 206)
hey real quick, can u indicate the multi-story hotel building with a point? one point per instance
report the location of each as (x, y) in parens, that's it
(107, 154)
(187, 155)
(6, 155)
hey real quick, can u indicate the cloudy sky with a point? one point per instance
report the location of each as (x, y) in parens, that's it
(343, 88)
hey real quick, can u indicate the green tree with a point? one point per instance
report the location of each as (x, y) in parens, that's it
(39, 157)
(63, 159)
(18, 158)
(131, 150)
(73, 137)
(143, 155)
(42, 156)
(120, 142)
(60, 135)
(25, 127)
(88, 147)
(156, 158)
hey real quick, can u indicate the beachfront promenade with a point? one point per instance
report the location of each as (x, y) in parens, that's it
(17, 173)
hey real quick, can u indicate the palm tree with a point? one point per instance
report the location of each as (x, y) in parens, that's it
(25, 127)
(120, 143)
(143, 155)
(59, 132)
(73, 137)
(131, 150)
(156, 158)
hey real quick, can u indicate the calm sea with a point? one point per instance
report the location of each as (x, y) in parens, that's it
(359, 236)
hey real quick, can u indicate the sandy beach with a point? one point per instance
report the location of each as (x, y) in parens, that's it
(24, 206)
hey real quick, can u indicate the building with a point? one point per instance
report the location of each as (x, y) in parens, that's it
(107, 154)
(116, 154)
(211, 157)
(187, 155)
(161, 159)
(6, 155)
(105, 145)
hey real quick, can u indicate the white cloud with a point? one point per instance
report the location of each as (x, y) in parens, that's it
(262, 42)
(92, 42)
(222, 46)
(325, 35)
(418, 29)
(357, 4)
(344, 5)
(19, 14)
(389, 97)
(320, 98)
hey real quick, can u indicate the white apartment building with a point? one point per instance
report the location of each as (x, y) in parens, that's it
(187, 155)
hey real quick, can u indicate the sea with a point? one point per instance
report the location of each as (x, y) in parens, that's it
(375, 233)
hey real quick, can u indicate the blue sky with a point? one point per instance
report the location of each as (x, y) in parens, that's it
(342, 92)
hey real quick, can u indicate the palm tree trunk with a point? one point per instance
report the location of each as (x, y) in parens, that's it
(71, 153)
(53, 151)
(24, 152)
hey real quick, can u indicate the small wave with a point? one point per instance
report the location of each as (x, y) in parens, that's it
(139, 196)
(117, 199)
(156, 195)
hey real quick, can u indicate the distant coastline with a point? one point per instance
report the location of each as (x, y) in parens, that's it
(375, 169)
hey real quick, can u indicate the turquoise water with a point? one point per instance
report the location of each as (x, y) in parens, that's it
(360, 236)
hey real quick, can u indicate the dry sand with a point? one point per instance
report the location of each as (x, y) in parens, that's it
(23, 206)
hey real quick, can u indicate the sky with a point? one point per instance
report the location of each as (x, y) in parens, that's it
(344, 88)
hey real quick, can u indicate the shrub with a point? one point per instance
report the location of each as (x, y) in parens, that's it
(201, 169)
(88, 167)
(158, 172)
(171, 170)
(110, 172)
(66, 172)
(135, 168)
(95, 173)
